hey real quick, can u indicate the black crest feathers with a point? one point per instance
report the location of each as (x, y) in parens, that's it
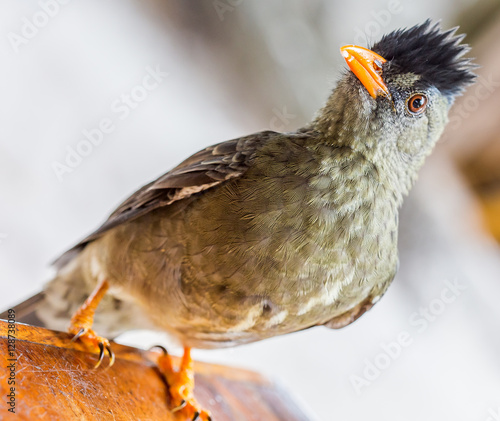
(435, 55)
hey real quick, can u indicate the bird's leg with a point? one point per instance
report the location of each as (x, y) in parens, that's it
(82, 320)
(181, 384)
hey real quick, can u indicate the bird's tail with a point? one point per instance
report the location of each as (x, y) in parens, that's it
(26, 311)
(53, 307)
(64, 295)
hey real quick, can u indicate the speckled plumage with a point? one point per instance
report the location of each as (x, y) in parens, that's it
(270, 233)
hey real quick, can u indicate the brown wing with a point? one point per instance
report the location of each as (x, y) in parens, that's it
(203, 170)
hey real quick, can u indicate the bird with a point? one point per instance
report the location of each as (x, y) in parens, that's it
(269, 233)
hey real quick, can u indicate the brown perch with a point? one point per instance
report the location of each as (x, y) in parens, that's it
(55, 381)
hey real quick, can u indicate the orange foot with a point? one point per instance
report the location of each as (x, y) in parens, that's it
(181, 384)
(81, 325)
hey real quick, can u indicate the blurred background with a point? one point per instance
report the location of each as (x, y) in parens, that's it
(74, 70)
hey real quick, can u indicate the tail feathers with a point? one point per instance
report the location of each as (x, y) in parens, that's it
(65, 294)
(26, 311)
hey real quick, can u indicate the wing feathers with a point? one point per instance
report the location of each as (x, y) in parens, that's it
(201, 171)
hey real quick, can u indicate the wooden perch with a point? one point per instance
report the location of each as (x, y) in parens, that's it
(54, 380)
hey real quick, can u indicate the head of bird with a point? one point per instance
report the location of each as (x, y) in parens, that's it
(392, 106)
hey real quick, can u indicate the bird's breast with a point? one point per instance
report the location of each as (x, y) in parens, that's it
(284, 252)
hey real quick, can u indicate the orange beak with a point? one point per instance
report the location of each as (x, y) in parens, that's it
(367, 66)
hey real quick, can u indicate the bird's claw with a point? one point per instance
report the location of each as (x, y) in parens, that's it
(181, 382)
(180, 406)
(81, 325)
(160, 347)
(111, 354)
(197, 416)
(189, 410)
(91, 340)
(81, 332)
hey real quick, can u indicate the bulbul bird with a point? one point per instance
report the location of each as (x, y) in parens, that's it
(269, 233)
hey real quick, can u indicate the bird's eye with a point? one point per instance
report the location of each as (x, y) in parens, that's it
(416, 103)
